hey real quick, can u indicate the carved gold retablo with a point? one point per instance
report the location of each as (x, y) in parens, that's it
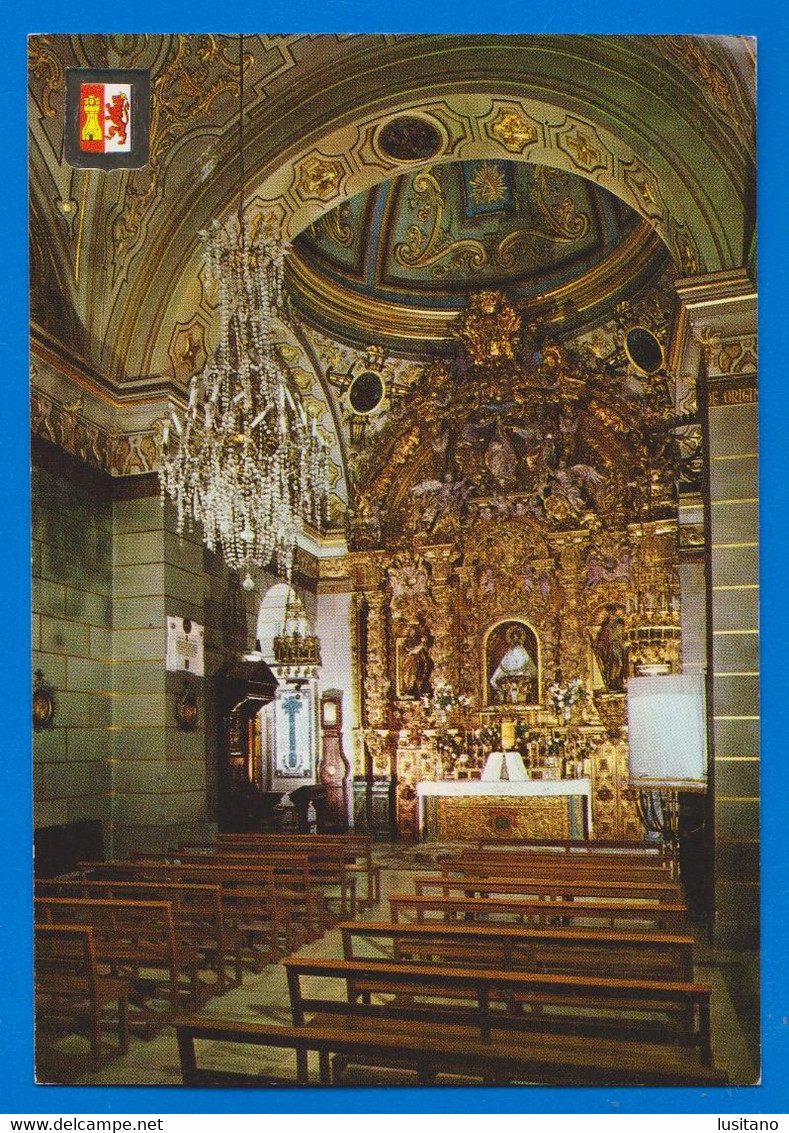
(489, 327)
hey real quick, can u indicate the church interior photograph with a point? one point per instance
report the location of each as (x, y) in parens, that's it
(394, 560)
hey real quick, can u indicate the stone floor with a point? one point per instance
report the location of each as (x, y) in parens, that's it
(264, 996)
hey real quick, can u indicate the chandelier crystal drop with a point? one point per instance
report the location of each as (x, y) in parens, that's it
(243, 459)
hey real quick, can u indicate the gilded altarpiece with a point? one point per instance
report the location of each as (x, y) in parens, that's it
(524, 490)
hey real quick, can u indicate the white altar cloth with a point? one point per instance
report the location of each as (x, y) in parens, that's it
(430, 788)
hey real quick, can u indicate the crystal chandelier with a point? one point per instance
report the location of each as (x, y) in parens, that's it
(243, 459)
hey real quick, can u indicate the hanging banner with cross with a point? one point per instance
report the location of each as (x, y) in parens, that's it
(107, 118)
(294, 710)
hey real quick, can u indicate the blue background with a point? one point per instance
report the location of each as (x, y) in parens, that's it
(19, 1094)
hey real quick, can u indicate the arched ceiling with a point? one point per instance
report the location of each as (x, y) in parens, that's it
(398, 261)
(665, 123)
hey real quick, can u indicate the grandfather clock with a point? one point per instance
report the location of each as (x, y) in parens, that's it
(334, 769)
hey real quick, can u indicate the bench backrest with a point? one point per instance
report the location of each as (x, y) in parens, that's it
(190, 902)
(548, 866)
(482, 986)
(65, 951)
(535, 911)
(548, 948)
(202, 872)
(141, 924)
(552, 887)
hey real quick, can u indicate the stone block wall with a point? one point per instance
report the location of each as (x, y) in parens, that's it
(72, 645)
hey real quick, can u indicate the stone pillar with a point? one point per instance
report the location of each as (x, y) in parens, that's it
(158, 771)
(716, 344)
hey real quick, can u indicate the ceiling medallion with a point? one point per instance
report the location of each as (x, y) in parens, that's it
(409, 139)
(644, 350)
(366, 392)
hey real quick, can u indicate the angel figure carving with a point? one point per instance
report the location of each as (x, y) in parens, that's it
(439, 498)
(571, 491)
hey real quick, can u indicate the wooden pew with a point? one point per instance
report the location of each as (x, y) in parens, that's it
(551, 888)
(137, 937)
(296, 888)
(328, 870)
(501, 1001)
(431, 1050)
(580, 850)
(574, 846)
(249, 899)
(552, 948)
(606, 914)
(68, 985)
(546, 865)
(197, 912)
(356, 846)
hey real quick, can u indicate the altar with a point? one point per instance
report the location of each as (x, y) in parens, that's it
(473, 810)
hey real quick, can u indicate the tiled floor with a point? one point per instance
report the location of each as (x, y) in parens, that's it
(264, 996)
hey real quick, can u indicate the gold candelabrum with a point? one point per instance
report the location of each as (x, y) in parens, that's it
(653, 633)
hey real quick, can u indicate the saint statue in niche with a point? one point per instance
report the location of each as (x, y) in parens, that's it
(610, 651)
(511, 667)
(414, 661)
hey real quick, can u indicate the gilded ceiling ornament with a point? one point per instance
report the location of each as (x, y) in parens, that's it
(337, 227)
(186, 88)
(692, 52)
(644, 188)
(187, 349)
(436, 248)
(47, 67)
(583, 147)
(487, 184)
(319, 178)
(422, 249)
(512, 130)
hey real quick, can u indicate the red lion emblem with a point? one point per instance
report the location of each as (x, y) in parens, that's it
(118, 114)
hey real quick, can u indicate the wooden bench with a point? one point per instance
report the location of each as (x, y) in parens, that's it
(546, 865)
(68, 985)
(672, 1013)
(429, 1051)
(249, 899)
(578, 846)
(553, 948)
(135, 937)
(551, 889)
(296, 889)
(197, 912)
(355, 846)
(521, 910)
(329, 871)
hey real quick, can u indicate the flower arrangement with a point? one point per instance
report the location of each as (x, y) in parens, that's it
(565, 697)
(452, 748)
(488, 737)
(444, 700)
